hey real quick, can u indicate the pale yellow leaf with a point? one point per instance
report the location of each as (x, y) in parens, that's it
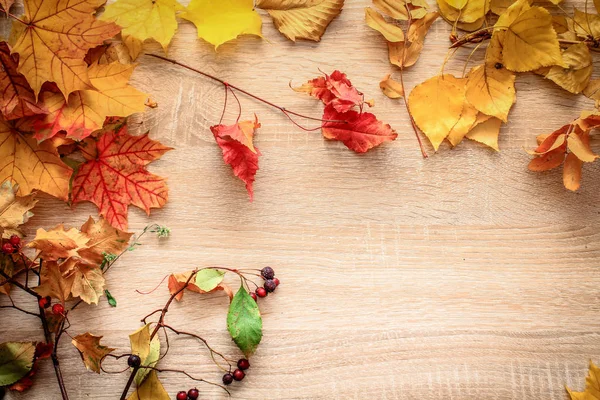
(392, 33)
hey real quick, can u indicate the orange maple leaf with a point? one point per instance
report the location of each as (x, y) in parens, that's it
(238, 150)
(115, 176)
(17, 99)
(54, 37)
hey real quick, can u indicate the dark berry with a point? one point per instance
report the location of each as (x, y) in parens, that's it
(193, 394)
(15, 240)
(276, 281)
(270, 285)
(261, 292)
(182, 395)
(58, 309)
(238, 375)
(134, 361)
(243, 364)
(227, 379)
(8, 248)
(253, 295)
(44, 302)
(499, 66)
(267, 273)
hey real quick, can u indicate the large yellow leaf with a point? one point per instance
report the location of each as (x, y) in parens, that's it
(145, 19)
(32, 165)
(86, 110)
(530, 41)
(491, 87)
(391, 32)
(219, 21)
(151, 389)
(14, 210)
(302, 19)
(436, 106)
(592, 385)
(58, 35)
(578, 71)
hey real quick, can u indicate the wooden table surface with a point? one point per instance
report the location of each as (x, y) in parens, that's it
(462, 276)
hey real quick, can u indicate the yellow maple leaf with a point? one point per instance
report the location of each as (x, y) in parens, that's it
(592, 385)
(578, 71)
(87, 280)
(14, 210)
(58, 243)
(32, 165)
(58, 35)
(391, 88)
(219, 21)
(441, 96)
(145, 19)
(86, 110)
(302, 19)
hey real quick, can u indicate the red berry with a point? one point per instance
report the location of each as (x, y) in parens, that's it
(238, 375)
(193, 394)
(261, 292)
(276, 281)
(267, 273)
(44, 302)
(253, 295)
(15, 240)
(182, 395)
(58, 309)
(270, 285)
(8, 248)
(227, 379)
(243, 364)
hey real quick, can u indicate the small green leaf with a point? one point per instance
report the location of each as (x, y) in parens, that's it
(111, 300)
(149, 351)
(244, 322)
(208, 279)
(16, 360)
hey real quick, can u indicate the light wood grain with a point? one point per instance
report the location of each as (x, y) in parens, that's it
(463, 276)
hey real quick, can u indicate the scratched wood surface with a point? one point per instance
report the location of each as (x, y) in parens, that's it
(463, 276)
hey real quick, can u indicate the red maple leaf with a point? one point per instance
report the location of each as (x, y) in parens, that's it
(335, 89)
(358, 131)
(115, 176)
(238, 150)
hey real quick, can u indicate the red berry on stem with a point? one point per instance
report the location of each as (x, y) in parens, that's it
(253, 295)
(243, 364)
(270, 285)
(276, 281)
(267, 273)
(8, 248)
(44, 302)
(227, 379)
(193, 394)
(15, 240)
(238, 375)
(58, 309)
(182, 395)
(261, 292)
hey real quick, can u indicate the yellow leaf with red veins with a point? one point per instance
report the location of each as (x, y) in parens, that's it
(86, 110)
(14, 210)
(32, 165)
(115, 176)
(57, 243)
(17, 99)
(302, 19)
(91, 351)
(220, 21)
(58, 35)
(145, 19)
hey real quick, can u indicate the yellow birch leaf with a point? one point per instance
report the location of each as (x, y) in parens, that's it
(458, 4)
(391, 32)
(585, 25)
(473, 11)
(220, 21)
(151, 389)
(560, 24)
(302, 19)
(487, 133)
(576, 75)
(394, 8)
(145, 19)
(58, 35)
(530, 41)
(14, 210)
(468, 117)
(391, 88)
(134, 46)
(572, 172)
(498, 7)
(592, 385)
(580, 149)
(436, 106)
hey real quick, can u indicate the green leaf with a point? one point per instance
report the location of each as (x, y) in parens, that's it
(244, 322)
(111, 300)
(208, 279)
(16, 360)
(149, 351)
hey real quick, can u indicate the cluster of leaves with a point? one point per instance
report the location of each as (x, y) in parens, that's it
(218, 22)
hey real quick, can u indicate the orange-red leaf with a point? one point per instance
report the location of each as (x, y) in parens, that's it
(360, 131)
(115, 176)
(238, 150)
(335, 89)
(17, 98)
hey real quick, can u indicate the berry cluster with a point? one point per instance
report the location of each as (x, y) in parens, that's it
(269, 286)
(12, 245)
(238, 374)
(57, 309)
(191, 394)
